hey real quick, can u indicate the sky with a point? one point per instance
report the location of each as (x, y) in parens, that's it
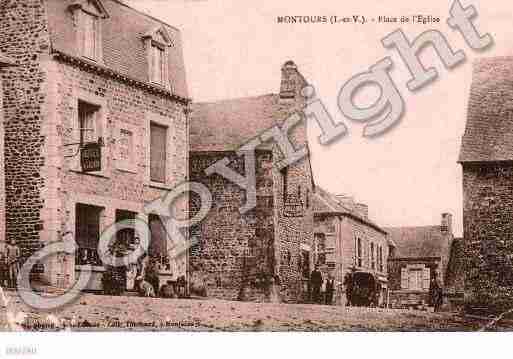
(408, 176)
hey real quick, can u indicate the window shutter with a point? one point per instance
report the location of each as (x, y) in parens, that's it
(425, 278)
(158, 136)
(404, 278)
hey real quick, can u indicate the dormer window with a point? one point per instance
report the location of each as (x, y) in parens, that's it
(158, 57)
(87, 16)
(90, 43)
(158, 43)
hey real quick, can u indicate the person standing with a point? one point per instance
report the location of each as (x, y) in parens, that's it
(13, 254)
(330, 285)
(315, 283)
(348, 284)
(4, 270)
(435, 292)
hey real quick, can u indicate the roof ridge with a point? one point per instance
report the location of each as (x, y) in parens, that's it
(122, 2)
(233, 99)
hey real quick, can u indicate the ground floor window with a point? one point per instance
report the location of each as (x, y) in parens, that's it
(126, 236)
(157, 249)
(87, 232)
(415, 277)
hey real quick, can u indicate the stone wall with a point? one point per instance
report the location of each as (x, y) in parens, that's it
(234, 255)
(400, 297)
(43, 179)
(2, 171)
(24, 38)
(488, 234)
(292, 231)
(123, 183)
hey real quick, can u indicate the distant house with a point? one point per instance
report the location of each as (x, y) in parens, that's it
(346, 240)
(486, 158)
(419, 253)
(240, 256)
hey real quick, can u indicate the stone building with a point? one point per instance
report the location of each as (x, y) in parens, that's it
(240, 256)
(4, 62)
(90, 73)
(486, 158)
(347, 241)
(419, 253)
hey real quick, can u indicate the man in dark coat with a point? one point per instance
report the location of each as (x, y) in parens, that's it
(348, 284)
(435, 292)
(330, 286)
(315, 284)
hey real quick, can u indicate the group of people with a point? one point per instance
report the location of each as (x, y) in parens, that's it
(321, 289)
(10, 260)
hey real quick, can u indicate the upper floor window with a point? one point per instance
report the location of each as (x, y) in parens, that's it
(380, 259)
(158, 58)
(158, 42)
(158, 155)
(359, 252)
(87, 118)
(90, 36)
(373, 256)
(87, 15)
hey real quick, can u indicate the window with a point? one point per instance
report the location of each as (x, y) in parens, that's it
(158, 157)
(380, 259)
(359, 252)
(88, 122)
(158, 66)
(157, 44)
(321, 250)
(285, 182)
(373, 256)
(87, 233)
(90, 36)
(415, 277)
(126, 236)
(87, 15)
(305, 263)
(158, 236)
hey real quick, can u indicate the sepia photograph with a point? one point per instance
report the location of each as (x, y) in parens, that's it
(308, 170)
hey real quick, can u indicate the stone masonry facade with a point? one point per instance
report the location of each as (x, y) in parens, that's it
(44, 181)
(486, 158)
(488, 233)
(254, 255)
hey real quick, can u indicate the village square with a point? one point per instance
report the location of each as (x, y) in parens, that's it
(127, 205)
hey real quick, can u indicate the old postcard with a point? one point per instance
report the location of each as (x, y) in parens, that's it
(207, 165)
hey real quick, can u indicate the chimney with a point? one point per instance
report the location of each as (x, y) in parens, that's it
(292, 82)
(446, 223)
(362, 210)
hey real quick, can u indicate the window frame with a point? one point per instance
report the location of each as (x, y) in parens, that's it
(81, 11)
(163, 43)
(164, 150)
(170, 149)
(358, 252)
(100, 131)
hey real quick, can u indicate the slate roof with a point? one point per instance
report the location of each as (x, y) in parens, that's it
(418, 242)
(226, 125)
(123, 46)
(489, 130)
(324, 202)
